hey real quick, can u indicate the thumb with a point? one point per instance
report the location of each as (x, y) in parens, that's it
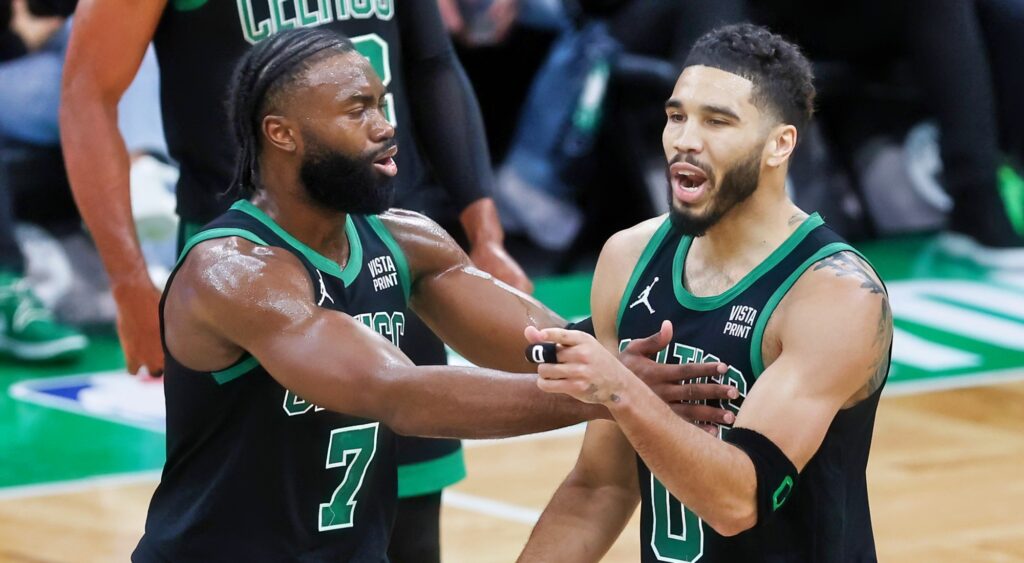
(654, 343)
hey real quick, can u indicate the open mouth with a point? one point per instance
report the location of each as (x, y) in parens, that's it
(385, 164)
(688, 182)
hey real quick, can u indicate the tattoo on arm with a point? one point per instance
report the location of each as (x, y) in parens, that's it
(845, 264)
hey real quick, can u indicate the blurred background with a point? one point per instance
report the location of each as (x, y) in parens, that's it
(916, 156)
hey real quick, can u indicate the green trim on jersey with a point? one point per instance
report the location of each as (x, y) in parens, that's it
(188, 5)
(641, 265)
(241, 367)
(694, 303)
(756, 361)
(223, 232)
(404, 275)
(347, 274)
(416, 479)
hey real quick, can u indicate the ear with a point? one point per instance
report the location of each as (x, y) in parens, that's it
(781, 144)
(279, 132)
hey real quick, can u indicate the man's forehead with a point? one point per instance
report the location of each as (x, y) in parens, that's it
(345, 73)
(709, 85)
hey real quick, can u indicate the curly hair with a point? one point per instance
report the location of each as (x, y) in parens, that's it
(262, 76)
(782, 76)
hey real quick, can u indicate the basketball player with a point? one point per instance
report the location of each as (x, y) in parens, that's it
(445, 168)
(735, 273)
(281, 324)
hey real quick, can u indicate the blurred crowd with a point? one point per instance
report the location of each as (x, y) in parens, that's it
(919, 129)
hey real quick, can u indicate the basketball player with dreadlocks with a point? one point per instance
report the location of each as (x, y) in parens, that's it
(445, 168)
(735, 273)
(281, 323)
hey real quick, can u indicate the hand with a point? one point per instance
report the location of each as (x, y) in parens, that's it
(492, 258)
(668, 381)
(483, 229)
(586, 370)
(138, 326)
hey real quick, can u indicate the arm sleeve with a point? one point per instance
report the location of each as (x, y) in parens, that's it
(445, 113)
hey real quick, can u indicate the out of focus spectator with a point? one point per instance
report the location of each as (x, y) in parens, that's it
(29, 97)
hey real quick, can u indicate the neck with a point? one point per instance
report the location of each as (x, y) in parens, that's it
(752, 229)
(284, 200)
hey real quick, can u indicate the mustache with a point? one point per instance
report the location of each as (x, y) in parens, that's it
(383, 150)
(709, 173)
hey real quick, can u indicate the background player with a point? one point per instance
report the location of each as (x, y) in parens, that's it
(750, 280)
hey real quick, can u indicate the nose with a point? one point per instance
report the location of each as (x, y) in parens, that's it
(688, 139)
(380, 128)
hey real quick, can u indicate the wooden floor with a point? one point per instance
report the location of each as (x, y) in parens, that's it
(946, 476)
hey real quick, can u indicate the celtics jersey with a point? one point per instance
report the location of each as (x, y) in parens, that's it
(199, 42)
(255, 472)
(826, 517)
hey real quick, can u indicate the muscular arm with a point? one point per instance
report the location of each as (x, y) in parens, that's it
(108, 41)
(480, 317)
(231, 295)
(827, 361)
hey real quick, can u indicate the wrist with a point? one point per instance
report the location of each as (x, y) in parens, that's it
(625, 400)
(481, 223)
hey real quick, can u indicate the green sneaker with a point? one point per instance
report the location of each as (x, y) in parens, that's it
(27, 329)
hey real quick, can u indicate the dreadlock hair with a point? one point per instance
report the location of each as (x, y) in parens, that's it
(262, 75)
(782, 77)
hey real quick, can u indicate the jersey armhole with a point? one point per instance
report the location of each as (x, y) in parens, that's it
(404, 275)
(756, 360)
(641, 266)
(247, 362)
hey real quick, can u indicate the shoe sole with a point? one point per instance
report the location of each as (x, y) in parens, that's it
(43, 350)
(963, 246)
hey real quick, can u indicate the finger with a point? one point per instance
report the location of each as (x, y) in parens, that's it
(555, 386)
(542, 353)
(533, 336)
(562, 371)
(652, 344)
(700, 392)
(132, 364)
(694, 371)
(704, 413)
(565, 337)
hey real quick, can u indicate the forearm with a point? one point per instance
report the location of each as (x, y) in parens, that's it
(580, 523)
(98, 169)
(712, 478)
(452, 138)
(453, 402)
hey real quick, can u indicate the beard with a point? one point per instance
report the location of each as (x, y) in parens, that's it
(738, 183)
(342, 183)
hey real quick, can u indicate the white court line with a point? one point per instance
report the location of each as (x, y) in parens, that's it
(933, 384)
(78, 485)
(489, 507)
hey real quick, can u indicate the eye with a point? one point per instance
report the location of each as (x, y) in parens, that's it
(714, 122)
(676, 117)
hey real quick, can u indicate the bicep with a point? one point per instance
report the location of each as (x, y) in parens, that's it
(834, 343)
(108, 41)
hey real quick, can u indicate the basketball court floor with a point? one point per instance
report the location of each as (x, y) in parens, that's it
(81, 444)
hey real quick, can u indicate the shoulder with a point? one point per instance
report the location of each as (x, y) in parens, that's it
(222, 274)
(838, 298)
(622, 251)
(427, 247)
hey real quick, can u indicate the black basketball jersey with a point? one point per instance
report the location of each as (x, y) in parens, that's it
(255, 472)
(826, 517)
(198, 43)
